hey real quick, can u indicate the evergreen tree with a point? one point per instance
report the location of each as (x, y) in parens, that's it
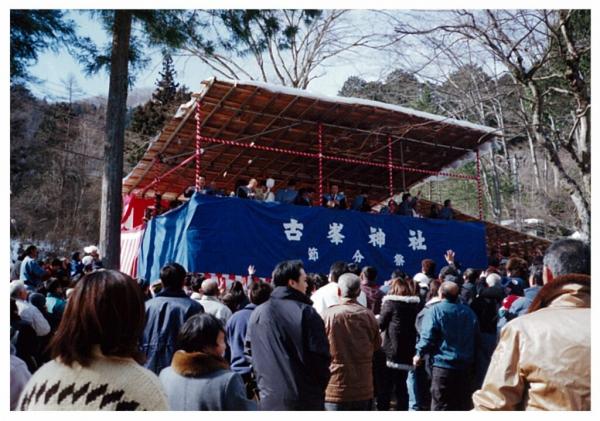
(166, 86)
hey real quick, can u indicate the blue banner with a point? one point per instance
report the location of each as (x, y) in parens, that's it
(225, 235)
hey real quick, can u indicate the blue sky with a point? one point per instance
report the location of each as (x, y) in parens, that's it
(53, 68)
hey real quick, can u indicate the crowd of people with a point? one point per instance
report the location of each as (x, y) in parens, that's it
(514, 335)
(305, 196)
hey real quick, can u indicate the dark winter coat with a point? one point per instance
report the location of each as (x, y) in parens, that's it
(486, 306)
(235, 330)
(290, 352)
(165, 314)
(397, 321)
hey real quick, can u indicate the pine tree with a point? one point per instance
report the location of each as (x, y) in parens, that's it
(166, 86)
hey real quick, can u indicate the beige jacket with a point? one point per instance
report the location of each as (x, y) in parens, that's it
(353, 337)
(543, 359)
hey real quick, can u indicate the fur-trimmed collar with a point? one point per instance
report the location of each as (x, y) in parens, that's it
(197, 364)
(572, 290)
(410, 299)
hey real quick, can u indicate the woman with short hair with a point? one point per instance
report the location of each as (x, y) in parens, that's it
(199, 378)
(96, 352)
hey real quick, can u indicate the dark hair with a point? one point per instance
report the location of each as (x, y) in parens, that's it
(405, 196)
(402, 287)
(434, 286)
(354, 268)
(199, 332)
(370, 273)
(259, 292)
(286, 270)
(318, 279)
(428, 267)
(446, 202)
(28, 250)
(517, 267)
(106, 309)
(398, 273)
(53, 284)
(568, 256)
(447, 270)
(337, 269)
(172, 275)
(471, 275)
(196, 283)
(291, 182)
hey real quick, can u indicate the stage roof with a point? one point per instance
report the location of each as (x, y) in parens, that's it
(254, 113)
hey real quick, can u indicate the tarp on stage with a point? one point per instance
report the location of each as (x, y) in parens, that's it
(225, 235)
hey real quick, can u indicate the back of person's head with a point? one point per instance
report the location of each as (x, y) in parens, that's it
(210, 287)
(370, 274)
(37, 300)
(449, 291)
(447, 203)
(320, 280)
(30, 250)
(336, 270)
(17, 289)
(354, 268)
(493, 279)
(568, 256)
(53, 285)
(402, 287)
(447, 270)
(199, 332)
(106, 308)
(173, 276)
(517, 267)
(428, 267)
(405, 196)
(196, 283)
(398, 273)
(471, 275)
(434, 288)
(259, 292)
(349, 285)
(286, 270)
(236, 287)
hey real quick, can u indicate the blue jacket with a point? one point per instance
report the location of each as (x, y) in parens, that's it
(450, 334)
(236, 329)
(521, 305)
(286, 196)
(200, 382)
(165, 314)
(290, 352)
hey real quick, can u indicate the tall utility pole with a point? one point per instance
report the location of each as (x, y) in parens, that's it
(110, 210)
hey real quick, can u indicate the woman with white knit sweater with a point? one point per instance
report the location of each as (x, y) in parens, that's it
(96, 354)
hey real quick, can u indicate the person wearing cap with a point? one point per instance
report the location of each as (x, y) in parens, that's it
(450, 334)
(543, 358)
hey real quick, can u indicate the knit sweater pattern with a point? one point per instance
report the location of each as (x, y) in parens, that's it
(108, 384)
